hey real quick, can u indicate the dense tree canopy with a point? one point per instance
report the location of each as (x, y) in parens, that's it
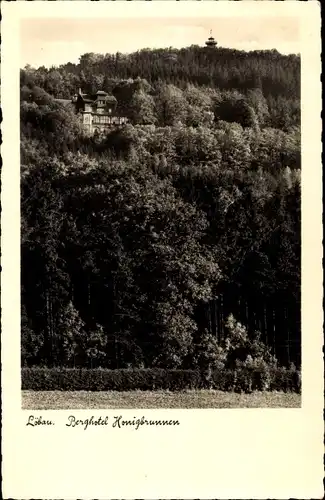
(137, 245)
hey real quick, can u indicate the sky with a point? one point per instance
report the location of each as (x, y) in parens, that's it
(55, 41)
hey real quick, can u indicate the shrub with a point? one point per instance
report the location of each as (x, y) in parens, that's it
(209, 353)
(287, 380)
(223, 380)
(242, 379)
(245, 350)
(98, 379)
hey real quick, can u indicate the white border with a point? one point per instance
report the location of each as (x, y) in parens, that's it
(214, 453)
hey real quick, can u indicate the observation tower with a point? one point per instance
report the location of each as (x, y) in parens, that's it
(211, 41)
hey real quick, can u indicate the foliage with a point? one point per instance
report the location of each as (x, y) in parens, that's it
(138, 245)
(31, 343)
(275, 74)
(70, 379)
(245, 350)
(142, 108)
(236, 110)
(104, 380)
(70, 339)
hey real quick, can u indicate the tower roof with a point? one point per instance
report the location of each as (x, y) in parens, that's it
(211, 41)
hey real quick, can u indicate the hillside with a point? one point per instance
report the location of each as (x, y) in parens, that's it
(139, 244)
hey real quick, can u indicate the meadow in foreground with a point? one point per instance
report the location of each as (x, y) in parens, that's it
(59, 400)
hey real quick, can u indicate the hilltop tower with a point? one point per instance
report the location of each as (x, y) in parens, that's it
(211, 41)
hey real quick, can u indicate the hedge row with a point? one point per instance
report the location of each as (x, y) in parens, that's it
(240, 380)
(74, 379)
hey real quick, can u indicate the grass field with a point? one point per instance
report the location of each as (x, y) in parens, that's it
(59, 400)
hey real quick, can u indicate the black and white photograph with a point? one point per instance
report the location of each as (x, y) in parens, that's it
(160, 213)
(165, 250)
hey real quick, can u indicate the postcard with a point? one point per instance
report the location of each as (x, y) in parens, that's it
(161, 250)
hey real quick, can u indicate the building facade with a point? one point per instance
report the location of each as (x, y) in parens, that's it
(98, 112)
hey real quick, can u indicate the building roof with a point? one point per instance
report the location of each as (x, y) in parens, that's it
(111, 98)
(99, 94)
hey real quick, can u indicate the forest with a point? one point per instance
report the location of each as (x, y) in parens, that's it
(147, 246)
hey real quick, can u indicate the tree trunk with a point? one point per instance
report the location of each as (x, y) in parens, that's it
(221, 318)
(265, 335)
